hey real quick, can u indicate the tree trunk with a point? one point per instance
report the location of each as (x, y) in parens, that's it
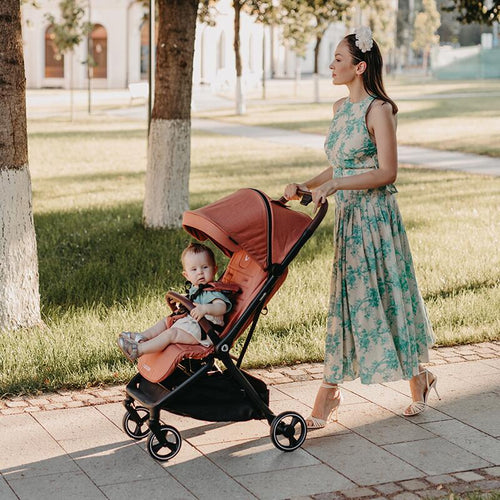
(240, 100)
(167, 176)
(425, 61)
(19, 296)
(298, 74)
(316, 68)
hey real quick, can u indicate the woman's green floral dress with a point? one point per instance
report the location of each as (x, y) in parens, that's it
(378, 327)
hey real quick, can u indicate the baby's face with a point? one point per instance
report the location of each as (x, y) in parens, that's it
(199, 268)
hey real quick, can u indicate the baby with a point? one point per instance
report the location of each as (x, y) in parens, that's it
(199, 268)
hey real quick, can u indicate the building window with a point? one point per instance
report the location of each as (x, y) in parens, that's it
(54, 62)
(145, 48)
(100, 51)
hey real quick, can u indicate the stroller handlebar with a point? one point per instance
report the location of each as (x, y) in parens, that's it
(305, 196)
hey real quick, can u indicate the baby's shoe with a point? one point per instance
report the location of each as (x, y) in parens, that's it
(133, 336)
(129, 347)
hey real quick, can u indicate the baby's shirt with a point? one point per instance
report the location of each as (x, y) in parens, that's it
(207, 297)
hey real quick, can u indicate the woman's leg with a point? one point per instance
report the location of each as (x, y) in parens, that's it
(327, 399)
(418, 383)
(419, 386)
(161, 341)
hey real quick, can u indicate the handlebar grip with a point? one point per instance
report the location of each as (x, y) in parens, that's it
(306, 197)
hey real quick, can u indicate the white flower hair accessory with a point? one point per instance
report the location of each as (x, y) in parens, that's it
(364, 40)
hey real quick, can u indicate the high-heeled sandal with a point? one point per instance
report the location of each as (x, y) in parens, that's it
(417, 407)
(319, 423)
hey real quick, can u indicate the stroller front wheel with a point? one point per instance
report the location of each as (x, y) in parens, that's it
(136, 427)
(288, 431)
(167, 445)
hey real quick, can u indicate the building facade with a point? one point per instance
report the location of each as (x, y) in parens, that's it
(119, 45)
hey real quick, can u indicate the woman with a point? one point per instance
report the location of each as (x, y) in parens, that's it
(377, 328)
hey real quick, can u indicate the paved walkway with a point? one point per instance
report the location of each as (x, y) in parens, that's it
(78, 450)
(409, 155)
(44, 103)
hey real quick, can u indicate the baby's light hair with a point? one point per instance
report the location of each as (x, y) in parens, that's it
(196, 248)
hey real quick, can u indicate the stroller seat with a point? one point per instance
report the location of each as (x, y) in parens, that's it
(243, 271)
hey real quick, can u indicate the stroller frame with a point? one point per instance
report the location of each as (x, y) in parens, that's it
(288, 430)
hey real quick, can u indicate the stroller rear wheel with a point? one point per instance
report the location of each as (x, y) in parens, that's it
(167, 446)
(136, 426)
(288, 431)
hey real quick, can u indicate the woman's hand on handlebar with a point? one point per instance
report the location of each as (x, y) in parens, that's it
(320, 194)
(291, 191)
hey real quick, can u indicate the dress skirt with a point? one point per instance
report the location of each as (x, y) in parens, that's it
(377, 328)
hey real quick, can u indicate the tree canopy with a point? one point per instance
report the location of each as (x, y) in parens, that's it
(475, 11)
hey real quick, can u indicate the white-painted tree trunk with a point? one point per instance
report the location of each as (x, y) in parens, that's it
(167, 176)
(316, 87)
(298, 74)
(19, 294)
(241, 108)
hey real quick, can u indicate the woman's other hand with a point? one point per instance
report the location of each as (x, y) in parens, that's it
(320, 194)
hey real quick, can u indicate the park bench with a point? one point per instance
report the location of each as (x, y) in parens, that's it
(139, 90)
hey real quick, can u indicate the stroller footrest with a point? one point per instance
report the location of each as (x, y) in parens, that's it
(147, 393)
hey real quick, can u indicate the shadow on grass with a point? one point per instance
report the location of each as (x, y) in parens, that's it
(448, 108)
(117, 133)
(104, 256)
(91, 178)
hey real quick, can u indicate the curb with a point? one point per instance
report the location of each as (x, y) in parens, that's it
(441, 486)
(271, 376)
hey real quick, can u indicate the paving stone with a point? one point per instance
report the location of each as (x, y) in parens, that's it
(60, 399)
(388, 488)
(300, 481)
(74, 485)
(12, 411)
(413, 484)
(273, 375)
(487, 485)
(38, 401)
(358, 492)
(432, 493)
(54, 406)
(436, 456)
(441, 479)
(16, 404)
(492, 471)
(468, 476)
(30, 409)
(463, 487)
(74, 404)
(406, 496)
(455, 359)
(84, 397)
(315, 369)
(254, 456)
(360, 460)
(328, 496)
(468, 438)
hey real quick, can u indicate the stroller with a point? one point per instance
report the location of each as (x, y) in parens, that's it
(261, 236)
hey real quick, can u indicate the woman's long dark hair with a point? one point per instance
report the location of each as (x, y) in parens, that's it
(372, 77)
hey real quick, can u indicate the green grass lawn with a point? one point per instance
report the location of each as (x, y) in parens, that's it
(101, 272)
(467, 121)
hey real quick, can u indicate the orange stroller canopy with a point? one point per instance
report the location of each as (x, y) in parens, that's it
(248, 220)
